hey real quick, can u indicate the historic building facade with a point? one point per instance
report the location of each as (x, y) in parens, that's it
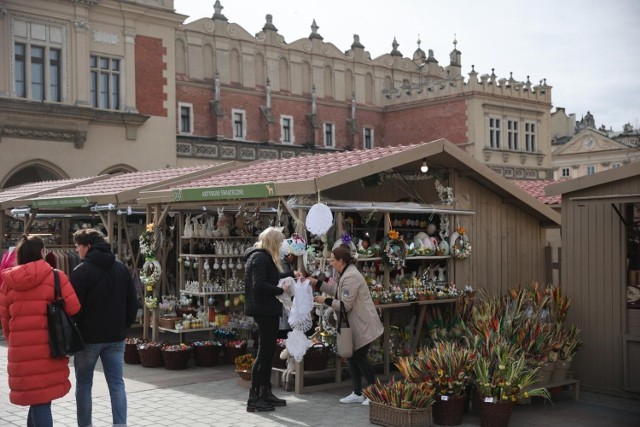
(244, 97)
(579, 149)
(86, 87)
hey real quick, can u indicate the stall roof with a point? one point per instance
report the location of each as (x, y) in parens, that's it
(9, 196)
(536, 187)
(600, 178)
(314, 174)
(121, 188)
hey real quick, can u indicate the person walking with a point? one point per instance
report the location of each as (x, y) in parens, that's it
(352, 291)
(107, 294)
(263, 271)
(35, 378)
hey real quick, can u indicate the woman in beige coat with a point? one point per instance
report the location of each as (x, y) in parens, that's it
(352, 291)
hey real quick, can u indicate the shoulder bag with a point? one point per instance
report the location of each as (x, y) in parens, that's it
(344, 339)
(64, 336)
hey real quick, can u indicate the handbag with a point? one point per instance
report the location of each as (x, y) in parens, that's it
(344, 338)
(64, 336)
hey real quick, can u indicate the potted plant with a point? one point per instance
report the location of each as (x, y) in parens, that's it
(244, 363)
(399, 403)
(501, 377)
(568, 348)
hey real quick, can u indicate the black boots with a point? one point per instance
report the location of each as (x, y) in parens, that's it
(267, 395)
(257, 404)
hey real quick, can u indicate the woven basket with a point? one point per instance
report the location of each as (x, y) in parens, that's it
(495, 414)
(389, 416)
(206, 355)
(151, 357)
(448, 412)
(230, 353)
(176, 360)
(317, 357)
(245, 375)
(167, 322)
(131, 355)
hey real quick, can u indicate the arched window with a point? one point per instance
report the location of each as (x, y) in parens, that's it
(348, 85)
(368, 89)
(328, 82)
(234, 66)
(260, 79)
(181, 58)
(209, 62)
(306, 77)
(284, 74)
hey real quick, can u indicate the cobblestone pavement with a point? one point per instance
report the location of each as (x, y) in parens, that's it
(217, 397)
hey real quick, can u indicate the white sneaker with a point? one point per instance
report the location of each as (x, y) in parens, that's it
(353, 398)
(365, 402)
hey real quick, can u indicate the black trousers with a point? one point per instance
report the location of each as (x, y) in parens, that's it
(359, 366)
(268, 333)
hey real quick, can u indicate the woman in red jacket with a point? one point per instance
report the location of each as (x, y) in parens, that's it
(35, 378)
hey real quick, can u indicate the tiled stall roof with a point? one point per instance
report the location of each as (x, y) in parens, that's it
(536, 188)
(34, 189)
(121, 187)
(294, 169)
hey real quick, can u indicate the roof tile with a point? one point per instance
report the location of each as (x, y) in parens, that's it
(536, 188)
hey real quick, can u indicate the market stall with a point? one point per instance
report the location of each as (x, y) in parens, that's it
(379, 191)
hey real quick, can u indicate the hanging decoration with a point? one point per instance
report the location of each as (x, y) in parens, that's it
(319, 219)
(445, 194)
(460, 244)
(150, 241)
(348, 241)
(394, 250)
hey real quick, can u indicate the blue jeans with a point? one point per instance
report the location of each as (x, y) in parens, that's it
(112, 357)
(40, 415)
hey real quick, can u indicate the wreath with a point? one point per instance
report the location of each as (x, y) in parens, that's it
(460, 244)
(330, 321)
(394, 250)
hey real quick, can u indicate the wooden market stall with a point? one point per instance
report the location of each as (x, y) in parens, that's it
(111, 200)
(505, 225)
(601, 274)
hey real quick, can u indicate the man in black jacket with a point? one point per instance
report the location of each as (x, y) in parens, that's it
(108, 297)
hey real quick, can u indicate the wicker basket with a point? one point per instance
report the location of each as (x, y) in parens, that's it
(384, 415)
(206, 355)
(245, 375)
(176, 360)
(448, 412)
(167, 322)
(131, 355)
(231, 352)
(317, 357)
(495, 414)
(151, 357)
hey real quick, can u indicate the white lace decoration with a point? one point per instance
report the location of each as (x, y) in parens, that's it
(300, 320)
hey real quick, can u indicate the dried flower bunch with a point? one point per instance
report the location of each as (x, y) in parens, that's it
(400, 394)
(244, 362)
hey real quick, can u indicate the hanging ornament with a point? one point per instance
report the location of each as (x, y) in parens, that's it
(319, 219)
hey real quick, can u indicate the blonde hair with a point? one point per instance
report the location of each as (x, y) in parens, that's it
(270, 240)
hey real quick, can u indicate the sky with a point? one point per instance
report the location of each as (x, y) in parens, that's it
(588, 50)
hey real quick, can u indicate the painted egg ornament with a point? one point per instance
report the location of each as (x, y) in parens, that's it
(236, 301)
(241, 298)
(227, 303)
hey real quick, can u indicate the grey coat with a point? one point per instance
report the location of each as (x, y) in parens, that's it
(353, 291)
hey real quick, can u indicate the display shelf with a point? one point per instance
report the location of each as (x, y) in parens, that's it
(220, 238)
(377, 258)
(209, 256)
(180, 332)
(433, 257)
(206, 294)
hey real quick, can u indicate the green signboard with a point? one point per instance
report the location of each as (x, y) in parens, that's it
(65, 202)
(249, 191)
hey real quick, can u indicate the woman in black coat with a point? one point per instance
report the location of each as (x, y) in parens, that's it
(263, 271)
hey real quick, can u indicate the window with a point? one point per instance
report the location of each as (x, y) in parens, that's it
(104, 82)
(530, 137)
(37, 71)
(615, 165)
(494, 132)
(239, 124)
(286, 130)
(590, 169)
(512, 134)
(566, 173)
(186, 118)
(368, 138)
(329, 135)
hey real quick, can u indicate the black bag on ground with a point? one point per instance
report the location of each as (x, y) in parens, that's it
(64, 336)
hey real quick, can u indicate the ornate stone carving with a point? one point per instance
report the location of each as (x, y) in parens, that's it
(247, 153)
(267, 154)
(227, 152)
(183, 149)
(106, 37)
(209, 151)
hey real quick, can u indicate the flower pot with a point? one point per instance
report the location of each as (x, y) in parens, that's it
(560, 371)
(245, 375)
(447, 410)
(495, 414)
(545, 373)
(385, 415)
